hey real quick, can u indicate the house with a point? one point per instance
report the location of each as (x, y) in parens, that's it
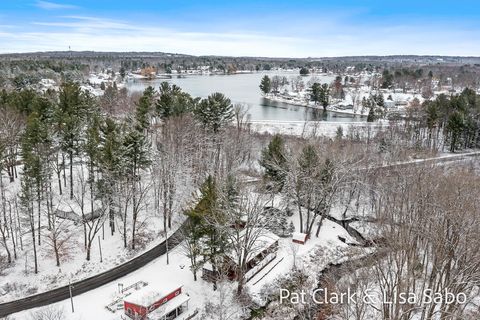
(166, 304)
(389, 104)
(149, 72)
(300, 238)
(261, 253)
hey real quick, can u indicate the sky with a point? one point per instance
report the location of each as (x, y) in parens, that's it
(293, 28)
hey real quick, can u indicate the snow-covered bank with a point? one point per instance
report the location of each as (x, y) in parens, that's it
(308, 128)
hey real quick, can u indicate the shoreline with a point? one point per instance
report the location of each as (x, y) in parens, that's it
(308, 105)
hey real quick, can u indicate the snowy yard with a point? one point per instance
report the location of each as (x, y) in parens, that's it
(92, 305)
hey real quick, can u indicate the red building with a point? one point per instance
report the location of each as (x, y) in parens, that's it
(300, 238)
(166, 304)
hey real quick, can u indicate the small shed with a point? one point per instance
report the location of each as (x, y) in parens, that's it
(168, 303)
(299, 237)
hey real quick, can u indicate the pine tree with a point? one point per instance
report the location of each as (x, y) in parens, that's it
(192, 231)
(136, 157)
(274, 162)
(339, 133)
(208, 212)
(92, 151)
(325, 96)
(455, 126)
(173, 102)
(73, 109)
(315, 92)
(291, 228)
(266, 84)
(111, 165)
(214, 112)
(308, 161)
(35, 173)
(371, 115)
(304, 71)
(144, 108)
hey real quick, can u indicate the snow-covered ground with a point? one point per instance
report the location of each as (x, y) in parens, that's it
(19, 279)
(92, 305)
(308, 128)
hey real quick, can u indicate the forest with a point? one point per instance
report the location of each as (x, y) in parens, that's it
(135, 167)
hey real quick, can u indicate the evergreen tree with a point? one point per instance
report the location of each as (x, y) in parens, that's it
(73, 108)
(308, 161)
(192, 231)
(207, 213)
(111, 164)
(215, 111)
(304, 71)
(291, 228)
(387, 79)
(92, 151)
(144, 108)
(455, 126)
(136, 156)
(274, 162)
(173, 101)
(315, 92)
(371, 115)
(123, 72)
(35, 173)
(339, 133)
(266, 85)
(325, 96)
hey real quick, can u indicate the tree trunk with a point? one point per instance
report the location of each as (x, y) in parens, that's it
(89, 247)
(12, 232)
(64, 171)
(111, 214)
(39, 200)
(125, 226)
(135, 213)
(4, 239)
(32, 229)
(55, 248)
(59, 182)
(71, 174)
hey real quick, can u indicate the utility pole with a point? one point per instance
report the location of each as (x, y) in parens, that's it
(100, 247)
(71, 297)
(166, 243)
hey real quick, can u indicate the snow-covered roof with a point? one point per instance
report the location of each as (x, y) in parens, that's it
(168, 307)
(146, 298)
(264, 240)
(298, 236)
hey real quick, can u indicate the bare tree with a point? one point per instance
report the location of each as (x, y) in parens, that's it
(139, 205)
(11, 128)
(428, 228)
(244, 226)
(93, 221)
(48, 313)
(58, 235)
(192, 246)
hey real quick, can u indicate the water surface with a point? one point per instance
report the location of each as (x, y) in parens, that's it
(244, 88)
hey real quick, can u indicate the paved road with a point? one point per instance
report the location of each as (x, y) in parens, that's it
(94, 282)
(91, 283)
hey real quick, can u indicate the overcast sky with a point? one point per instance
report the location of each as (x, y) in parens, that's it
(293, 28)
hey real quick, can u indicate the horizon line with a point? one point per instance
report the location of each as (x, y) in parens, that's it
(232, 56)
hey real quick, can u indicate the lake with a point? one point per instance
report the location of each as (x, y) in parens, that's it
(244, 88)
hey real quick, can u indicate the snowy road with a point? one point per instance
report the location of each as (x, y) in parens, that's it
(94, 282)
